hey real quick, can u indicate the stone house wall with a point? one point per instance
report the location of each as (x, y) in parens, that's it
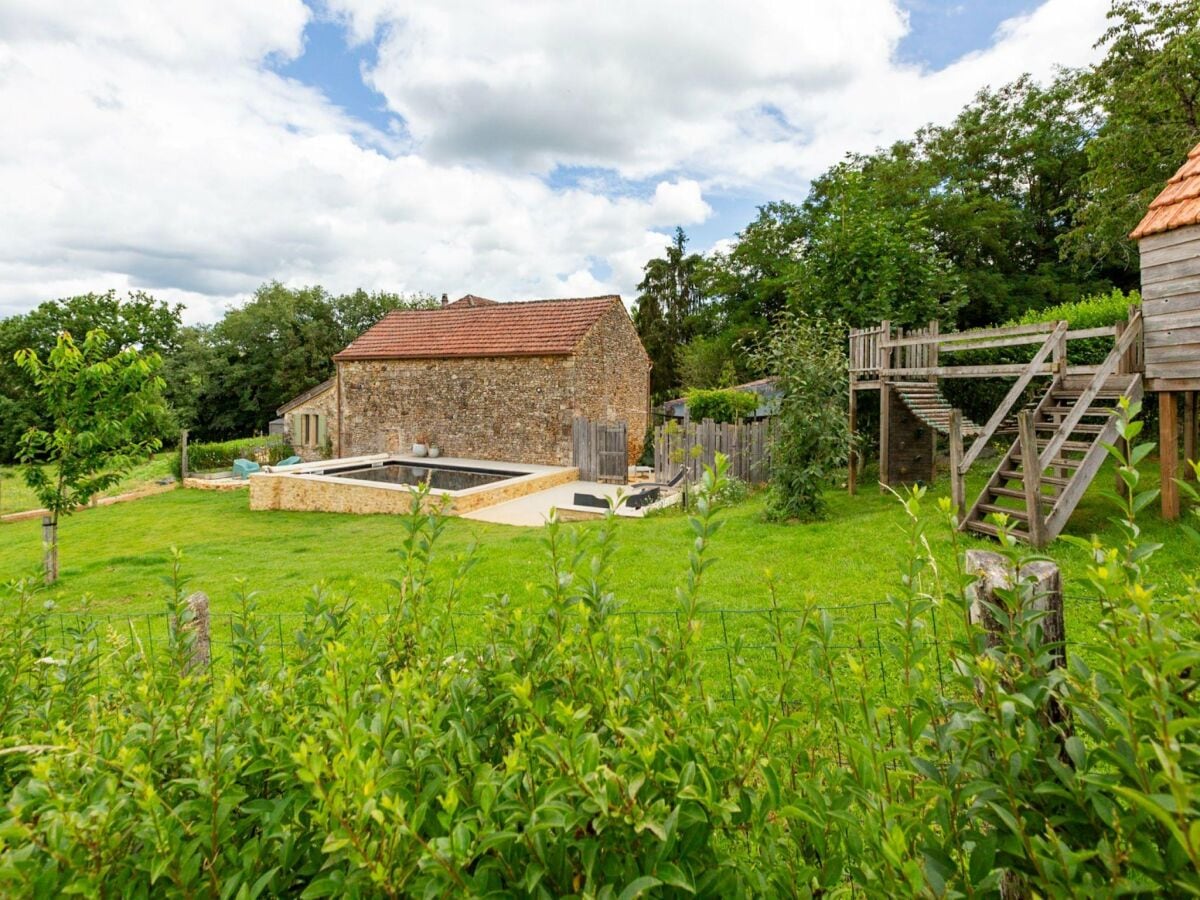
(515, 408)
(612, 377)
(323, 405)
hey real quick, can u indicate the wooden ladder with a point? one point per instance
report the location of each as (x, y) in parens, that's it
(1063, 440)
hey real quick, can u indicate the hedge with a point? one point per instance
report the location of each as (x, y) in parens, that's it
(214, 456)
(720, 404)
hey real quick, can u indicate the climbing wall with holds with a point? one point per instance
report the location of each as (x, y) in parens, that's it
(906, 443)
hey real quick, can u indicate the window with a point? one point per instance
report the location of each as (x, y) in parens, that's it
(308, 430)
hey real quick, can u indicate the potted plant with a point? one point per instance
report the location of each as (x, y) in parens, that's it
(434, 450)
(420, 445)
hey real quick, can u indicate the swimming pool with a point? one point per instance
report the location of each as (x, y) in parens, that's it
(438, 476)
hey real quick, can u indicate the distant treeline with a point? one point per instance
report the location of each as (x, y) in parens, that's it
(1022, 202)
(223, 380)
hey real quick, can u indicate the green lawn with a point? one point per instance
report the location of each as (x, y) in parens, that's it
(16, 497)
(118, 555)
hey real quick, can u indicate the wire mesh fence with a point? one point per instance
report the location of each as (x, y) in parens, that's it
(732, 643)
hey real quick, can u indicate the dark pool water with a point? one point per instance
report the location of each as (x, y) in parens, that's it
(444, 478)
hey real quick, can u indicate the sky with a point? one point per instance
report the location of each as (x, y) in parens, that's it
(512, 149)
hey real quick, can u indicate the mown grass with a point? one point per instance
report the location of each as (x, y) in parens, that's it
(15, 496)
(117, 556)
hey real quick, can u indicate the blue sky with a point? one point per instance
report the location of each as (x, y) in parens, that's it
(509, 149)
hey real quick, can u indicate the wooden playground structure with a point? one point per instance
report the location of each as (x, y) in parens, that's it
(1057, 416)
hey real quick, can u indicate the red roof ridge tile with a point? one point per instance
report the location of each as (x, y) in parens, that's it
(1177, 204)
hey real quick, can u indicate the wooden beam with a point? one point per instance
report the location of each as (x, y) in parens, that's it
(885, 404)
(1031, 470)
(957, 492)
(1189, 435)
(1168, 455)
(851, 475)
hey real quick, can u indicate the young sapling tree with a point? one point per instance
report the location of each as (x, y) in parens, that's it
(105, 412)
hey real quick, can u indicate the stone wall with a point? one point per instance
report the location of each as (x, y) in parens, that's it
(505, 408)
(612, 377)
(323, 404)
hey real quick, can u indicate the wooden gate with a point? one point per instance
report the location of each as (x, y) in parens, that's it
(600, 450)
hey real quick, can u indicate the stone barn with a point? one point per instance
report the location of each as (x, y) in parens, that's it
(484, 380)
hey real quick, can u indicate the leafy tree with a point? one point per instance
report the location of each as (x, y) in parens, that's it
(812, 435)
(865, 261)
(104, 409)
(1145, 95)
(134, 320)
(669, 304)
(755, 279)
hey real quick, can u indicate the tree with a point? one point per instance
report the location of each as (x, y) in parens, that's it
(104, 409)
(134, 320)
(669, 303)
(1145, 96)
(812, 435)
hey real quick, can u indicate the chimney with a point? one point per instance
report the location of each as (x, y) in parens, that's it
(445, 301)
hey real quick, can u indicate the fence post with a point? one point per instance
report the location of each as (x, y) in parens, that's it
(183, 455)
(50, 549)
(201, 655)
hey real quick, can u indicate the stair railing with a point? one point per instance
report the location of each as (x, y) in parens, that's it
(1131, 333)
(1055, 343)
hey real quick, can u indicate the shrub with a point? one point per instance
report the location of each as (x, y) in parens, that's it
(720, 404)
(215, 456)
(812, 436)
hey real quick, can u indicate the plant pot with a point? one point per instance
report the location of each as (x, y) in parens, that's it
(419, 450)
(435, 452)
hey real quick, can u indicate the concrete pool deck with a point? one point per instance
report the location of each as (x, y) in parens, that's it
(533, 509)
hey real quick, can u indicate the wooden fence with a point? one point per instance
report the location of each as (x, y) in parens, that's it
(600, 450)
(747, 444)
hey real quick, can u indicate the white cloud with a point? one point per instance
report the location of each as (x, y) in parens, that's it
(152, 145)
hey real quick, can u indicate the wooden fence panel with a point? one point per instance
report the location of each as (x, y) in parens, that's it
(696, 445)
(600, 450)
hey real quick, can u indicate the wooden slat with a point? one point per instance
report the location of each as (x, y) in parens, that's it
(1169, 238)
(1163, 289)
(1168, 321)
(1171, 303)
(1178, 351)
(1172, 271)
(1169, 254)
(1172, 337)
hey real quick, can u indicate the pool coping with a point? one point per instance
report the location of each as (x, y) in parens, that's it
(278, 487)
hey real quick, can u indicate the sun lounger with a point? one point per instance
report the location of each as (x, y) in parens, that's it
(244, 468)
(645, 494)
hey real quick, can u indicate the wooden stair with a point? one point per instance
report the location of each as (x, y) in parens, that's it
(926, 401)
(1074, 418)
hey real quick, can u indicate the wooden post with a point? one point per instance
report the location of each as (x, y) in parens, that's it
(183, 455)
(201, 655)
(957, 488)
(885, 405)
(1168, 454)
(1189, 434)
(851, 474)
(1031, 470)
(50, 549)
(994, 576)
(993, 572)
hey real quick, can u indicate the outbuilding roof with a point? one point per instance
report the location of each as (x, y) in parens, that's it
(1178, 204)
(305, 397)
(473, 326)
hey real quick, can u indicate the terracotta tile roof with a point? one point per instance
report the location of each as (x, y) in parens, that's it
(1178, 205)
(472, 300)
(529, 328)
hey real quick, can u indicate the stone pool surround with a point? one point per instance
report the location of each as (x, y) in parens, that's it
(275, 488)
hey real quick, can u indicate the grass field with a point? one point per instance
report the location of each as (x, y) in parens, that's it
(118, 555)
(16, 497)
